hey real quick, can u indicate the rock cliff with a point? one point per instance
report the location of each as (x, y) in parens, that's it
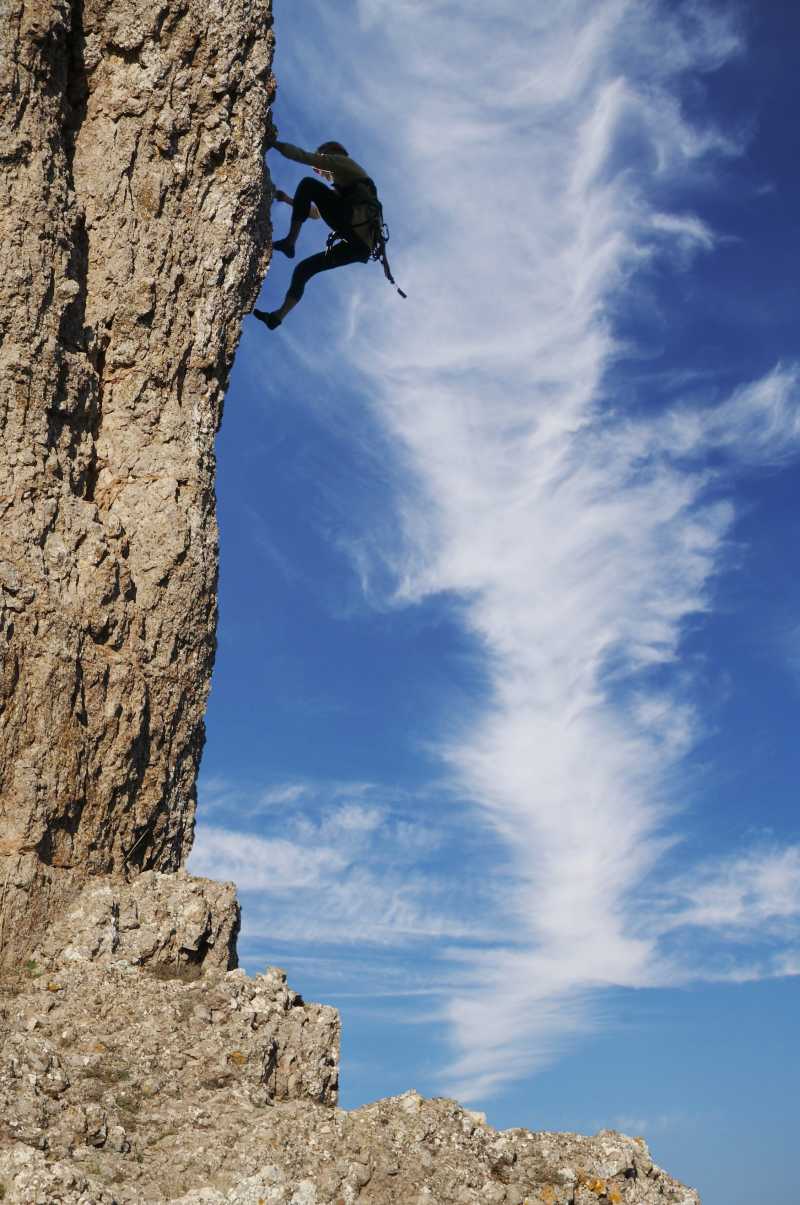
(134, 221)
(136, 1063)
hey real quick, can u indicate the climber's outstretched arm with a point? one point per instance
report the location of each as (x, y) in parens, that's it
(340, 168)
(310, 158)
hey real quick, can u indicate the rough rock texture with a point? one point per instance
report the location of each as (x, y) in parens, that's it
(176, 922)
(134, 1067)
(118, 1086)
(134, 229)
(110, 1068)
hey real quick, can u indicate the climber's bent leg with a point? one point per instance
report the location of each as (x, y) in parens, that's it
(338, 257)
(332, 209)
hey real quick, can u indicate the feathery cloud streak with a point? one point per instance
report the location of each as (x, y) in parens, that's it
(333, 863)
(535, 154)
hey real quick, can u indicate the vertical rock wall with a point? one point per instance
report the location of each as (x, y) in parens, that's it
(134, 230)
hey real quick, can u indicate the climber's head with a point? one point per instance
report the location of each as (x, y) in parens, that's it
(331, 148)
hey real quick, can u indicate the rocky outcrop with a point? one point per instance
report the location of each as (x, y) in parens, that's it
(136, 1063)
(158, 921)
(134, 228)
(107, 1068)
(221, 1090)
(135, 1067)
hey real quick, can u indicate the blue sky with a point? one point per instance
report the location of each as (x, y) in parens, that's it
(502, 737)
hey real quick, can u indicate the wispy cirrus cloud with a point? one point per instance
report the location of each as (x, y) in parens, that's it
(741, 895)
(335, 863)
(536, 156)
(758, 424)
(535, 186)
(226, 795)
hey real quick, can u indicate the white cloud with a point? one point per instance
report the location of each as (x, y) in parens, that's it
(687, 229)
(658, 1124)
(350, 874)
(219, 793)
(273, 865)
(235, 799)
(737, 896)
(758, 424)
(788, 963)
(532, 152)
(287, 792)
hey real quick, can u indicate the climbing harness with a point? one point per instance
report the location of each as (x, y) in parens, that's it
(375, 223)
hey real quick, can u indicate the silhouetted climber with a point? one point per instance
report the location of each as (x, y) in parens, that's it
(351, 208)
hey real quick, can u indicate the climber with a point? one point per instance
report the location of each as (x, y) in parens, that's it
(351, 208)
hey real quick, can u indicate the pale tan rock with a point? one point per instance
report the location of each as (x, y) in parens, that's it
(134, 227)
(96, 1055)
(148, 1097)
(175, 921)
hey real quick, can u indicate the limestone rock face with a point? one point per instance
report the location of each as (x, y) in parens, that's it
(222, 1091)
(106, 1060)
(134, 231)
(165, 922)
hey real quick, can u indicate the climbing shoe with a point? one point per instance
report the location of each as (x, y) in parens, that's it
(285, 246)
(269, 319)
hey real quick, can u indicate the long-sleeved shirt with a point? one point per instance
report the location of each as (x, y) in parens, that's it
(344, 172)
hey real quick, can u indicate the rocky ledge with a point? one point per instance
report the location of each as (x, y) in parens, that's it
(119, 1085)
(137, 1063)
